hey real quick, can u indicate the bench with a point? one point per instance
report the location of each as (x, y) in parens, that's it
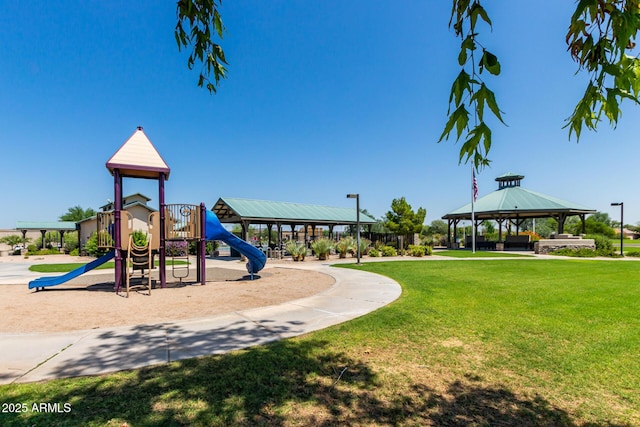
(518, 242)
(481, 243)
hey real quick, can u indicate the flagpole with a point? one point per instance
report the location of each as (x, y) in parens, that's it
(473, 213)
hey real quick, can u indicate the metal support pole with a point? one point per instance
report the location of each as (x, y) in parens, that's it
(203, 246)
(357, 197)
(621, 204)
(162, 249)
(117, 207)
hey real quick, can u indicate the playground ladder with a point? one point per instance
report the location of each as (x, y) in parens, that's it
(139, 258)
(180, 271)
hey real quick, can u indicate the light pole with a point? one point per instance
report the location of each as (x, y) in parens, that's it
(357, 197)
(621, 204)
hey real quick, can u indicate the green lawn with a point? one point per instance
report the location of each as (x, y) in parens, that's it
(66, 267)
(467, 253)
(469, 342)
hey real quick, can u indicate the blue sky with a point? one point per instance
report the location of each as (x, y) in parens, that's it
(323, 98)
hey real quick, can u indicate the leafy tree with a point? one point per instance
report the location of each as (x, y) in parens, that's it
(50, 238)
(437, 227)
(489, 227)
(76, 214)
(13, 240)
(545, 227)
(70, 241)
(601, 217)
(377, 227)
(402, 220)
(265, 237)
(631, 227)
(380, 226)
(598, 223)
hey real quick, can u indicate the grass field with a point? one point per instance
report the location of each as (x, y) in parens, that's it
(467, 253)
(66, 267)
(469, 342)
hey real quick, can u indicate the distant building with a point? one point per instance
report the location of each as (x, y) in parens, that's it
(135, 204)
(628, 234)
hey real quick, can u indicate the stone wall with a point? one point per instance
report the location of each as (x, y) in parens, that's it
(544, 246)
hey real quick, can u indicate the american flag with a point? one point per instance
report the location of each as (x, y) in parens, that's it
(475, 187)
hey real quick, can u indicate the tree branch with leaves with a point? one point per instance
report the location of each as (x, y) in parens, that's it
(601, 38)
(469, 89)
(202, 20)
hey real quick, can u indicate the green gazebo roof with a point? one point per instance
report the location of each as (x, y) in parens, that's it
(229, 210)
(44, 225)
(517, 202)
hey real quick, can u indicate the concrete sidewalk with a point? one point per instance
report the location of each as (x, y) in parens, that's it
(37, 357)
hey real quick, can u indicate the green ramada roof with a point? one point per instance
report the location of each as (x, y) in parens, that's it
(44, 225)
(519, 202)
(229, 209)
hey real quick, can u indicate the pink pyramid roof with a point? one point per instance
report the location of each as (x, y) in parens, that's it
(138, 158)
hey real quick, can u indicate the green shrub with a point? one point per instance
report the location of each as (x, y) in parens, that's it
(70, 241)
(12, 240)
(211, 246)
(322, 248)
(139, 237)
(389, 251)
(345, 246)
(365, 245)
(579, 253)
(48, 251)
(417, 250)
(373, 252)
(75, 252)
(298, 250)
(604, 247)
(634, 253)
(92, 246)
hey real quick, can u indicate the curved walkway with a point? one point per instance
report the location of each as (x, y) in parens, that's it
(37, 357)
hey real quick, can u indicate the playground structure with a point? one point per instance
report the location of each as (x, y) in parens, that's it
(182, 223)
(186, 223)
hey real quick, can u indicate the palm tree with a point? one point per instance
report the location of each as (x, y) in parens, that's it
(76, 214)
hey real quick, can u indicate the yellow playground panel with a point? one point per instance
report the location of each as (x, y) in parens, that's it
(107, 224)
(182, 222)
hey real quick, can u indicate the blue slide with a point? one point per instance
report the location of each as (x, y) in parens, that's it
(44, 282)
(215, 231)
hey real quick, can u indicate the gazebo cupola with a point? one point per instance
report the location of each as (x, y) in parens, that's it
(509, 180)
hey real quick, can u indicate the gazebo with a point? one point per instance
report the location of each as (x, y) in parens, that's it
(59, 226)
(281, 214)
(513, 204)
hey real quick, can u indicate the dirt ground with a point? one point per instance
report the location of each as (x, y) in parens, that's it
(89, 302)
